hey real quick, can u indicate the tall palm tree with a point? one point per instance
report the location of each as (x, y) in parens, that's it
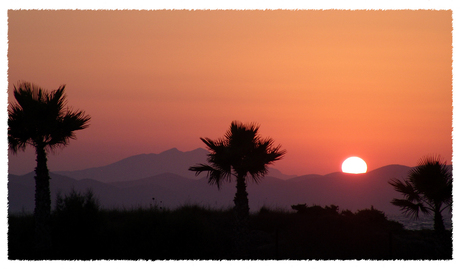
(428, 189)
(241, 152)
(41, 119)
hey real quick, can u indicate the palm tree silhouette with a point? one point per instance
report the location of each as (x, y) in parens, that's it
(427, 190)
(241, 152)
(41, 119)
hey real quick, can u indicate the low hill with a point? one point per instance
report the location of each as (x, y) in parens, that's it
(348, 191)
(143, 165)
(146, 165)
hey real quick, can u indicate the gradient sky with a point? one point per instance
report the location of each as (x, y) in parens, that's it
(325, 85)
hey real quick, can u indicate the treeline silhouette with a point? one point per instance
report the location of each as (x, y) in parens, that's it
(82, 230)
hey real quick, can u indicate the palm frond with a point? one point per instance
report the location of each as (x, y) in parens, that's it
(409, 208)
(215, 176)
(406, 189)
(64, 128)
(262, 155)
(210, 144)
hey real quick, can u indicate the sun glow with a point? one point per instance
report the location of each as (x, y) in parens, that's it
(354, 165)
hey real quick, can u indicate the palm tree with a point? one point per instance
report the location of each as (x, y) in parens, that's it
(427, 190)
(241, 152)
(41, 119)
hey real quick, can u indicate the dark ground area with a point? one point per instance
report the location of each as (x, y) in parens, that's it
(192, 232)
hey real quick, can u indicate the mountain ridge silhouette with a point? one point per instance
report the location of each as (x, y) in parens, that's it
(145, 165)
(348, 191)
(165, 181)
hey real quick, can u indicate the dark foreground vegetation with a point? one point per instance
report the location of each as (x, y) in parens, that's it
(82, 231)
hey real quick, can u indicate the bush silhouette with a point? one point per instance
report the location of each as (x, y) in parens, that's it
(76, 222)
(371, 215)
(194, 232)
(316, 210)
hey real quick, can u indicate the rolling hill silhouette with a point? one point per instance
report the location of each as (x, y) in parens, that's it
(146, 165)
(164, 180)
(143, 165)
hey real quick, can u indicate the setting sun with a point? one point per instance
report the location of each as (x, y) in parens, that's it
(354, 165)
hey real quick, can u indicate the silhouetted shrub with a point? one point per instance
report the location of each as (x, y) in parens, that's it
(194, 232)
(371, 215)
(333, 209)
(301, 208)
(264, 210)
(316, 210)
(76, 224)
(347, 213)
(21, 236)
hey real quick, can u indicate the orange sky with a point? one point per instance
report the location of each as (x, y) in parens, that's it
(325, 85)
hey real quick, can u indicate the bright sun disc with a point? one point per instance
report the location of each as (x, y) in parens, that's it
(354, 165)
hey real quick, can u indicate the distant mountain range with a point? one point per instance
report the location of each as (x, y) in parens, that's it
(164, 180)
(146, 165)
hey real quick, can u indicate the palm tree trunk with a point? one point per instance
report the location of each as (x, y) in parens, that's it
(241, 211)
(438, 221)
(241, 200)
(42, 204)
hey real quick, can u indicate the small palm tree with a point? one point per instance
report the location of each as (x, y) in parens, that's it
(427, 190)
(241, 152)
(40, 119)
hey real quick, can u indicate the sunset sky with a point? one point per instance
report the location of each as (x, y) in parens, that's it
(326, 85)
